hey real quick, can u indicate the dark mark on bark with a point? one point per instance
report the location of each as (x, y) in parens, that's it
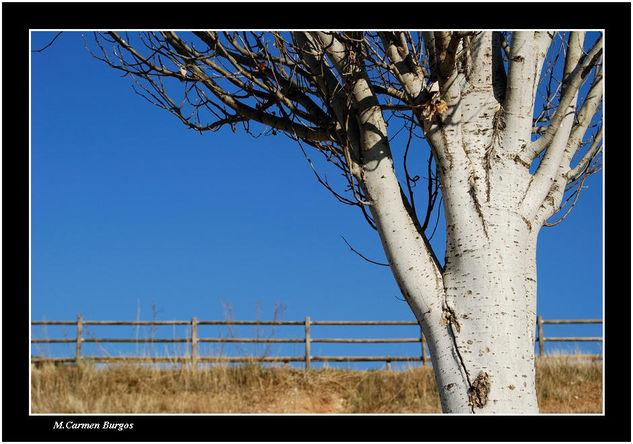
(448, 316)
(527, 222)
(479, 389)
(473, 195)
(450, 319)
(520, 161)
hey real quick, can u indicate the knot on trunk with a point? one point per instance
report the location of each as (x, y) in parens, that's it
(479, 389)
(449, 317)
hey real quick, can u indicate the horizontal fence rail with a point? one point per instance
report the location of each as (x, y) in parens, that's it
(193, 341)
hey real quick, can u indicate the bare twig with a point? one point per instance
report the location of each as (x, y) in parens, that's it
(368, 260)
(49, 44)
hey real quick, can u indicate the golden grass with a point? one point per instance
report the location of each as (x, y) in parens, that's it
(564, 386)
(569, 384)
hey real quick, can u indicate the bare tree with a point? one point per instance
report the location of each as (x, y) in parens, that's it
(512, 123)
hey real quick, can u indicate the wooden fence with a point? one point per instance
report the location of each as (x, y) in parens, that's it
(193, 341)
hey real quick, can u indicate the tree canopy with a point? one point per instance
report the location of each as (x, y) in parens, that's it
(301, 84)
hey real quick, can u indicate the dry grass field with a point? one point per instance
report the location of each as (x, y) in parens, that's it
(564, 384)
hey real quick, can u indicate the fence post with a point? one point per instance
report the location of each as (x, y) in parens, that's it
(541, 343)
(194, 343)
(307, 357)
(79, 339)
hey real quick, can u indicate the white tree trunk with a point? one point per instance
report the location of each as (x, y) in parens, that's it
(490, 284)
(478, 312)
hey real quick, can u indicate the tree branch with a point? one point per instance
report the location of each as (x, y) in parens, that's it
(575, 79)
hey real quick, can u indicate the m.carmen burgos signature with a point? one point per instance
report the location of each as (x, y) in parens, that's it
(105, 425)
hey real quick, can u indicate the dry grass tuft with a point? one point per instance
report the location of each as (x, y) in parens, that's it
(564, 386)
(569, 384)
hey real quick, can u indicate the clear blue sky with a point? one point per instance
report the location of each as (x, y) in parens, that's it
(129, 209)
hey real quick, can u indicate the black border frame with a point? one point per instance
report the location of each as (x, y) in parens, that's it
(615, 18)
